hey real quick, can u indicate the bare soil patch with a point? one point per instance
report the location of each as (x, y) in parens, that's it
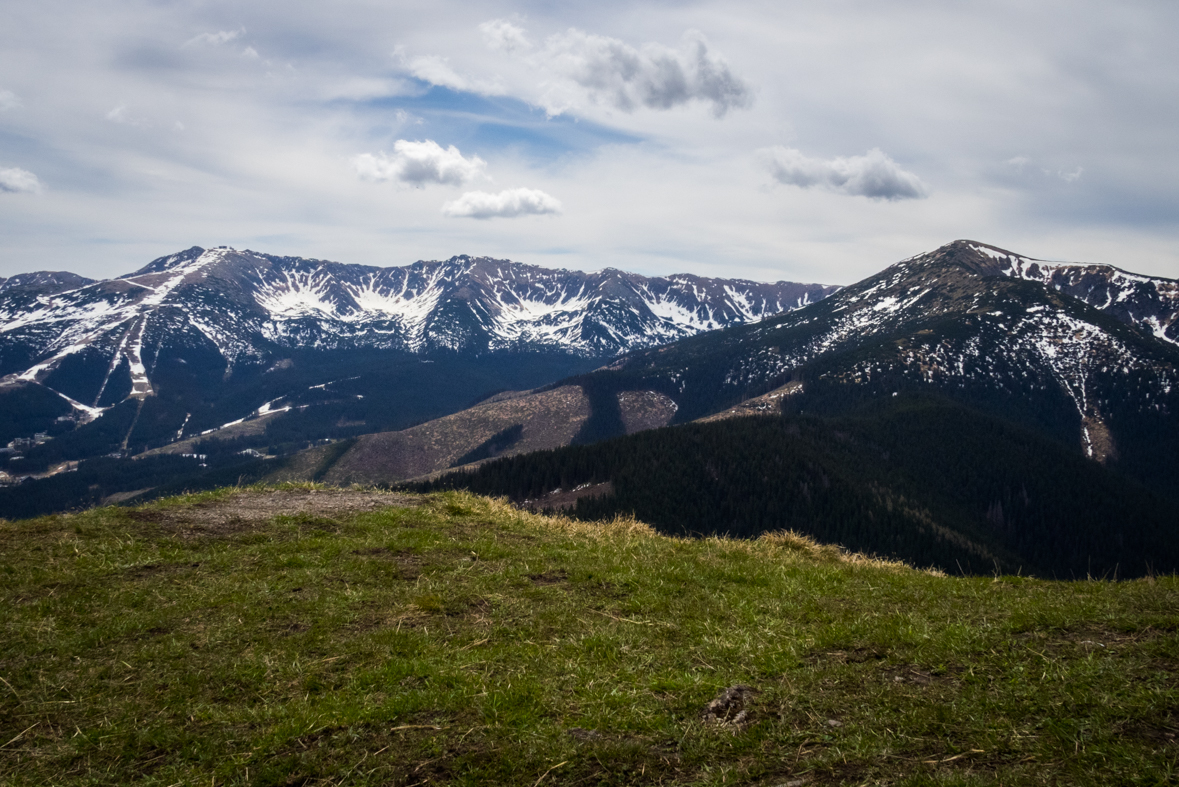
(409, 564)
(247, 511)
(550, 577)
(857, 655)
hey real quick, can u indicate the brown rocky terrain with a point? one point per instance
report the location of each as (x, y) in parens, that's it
(766, 404)
(545, 419)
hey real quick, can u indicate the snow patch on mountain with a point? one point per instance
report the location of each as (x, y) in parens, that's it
(249, 306)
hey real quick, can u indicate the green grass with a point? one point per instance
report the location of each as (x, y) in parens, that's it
(463, 642)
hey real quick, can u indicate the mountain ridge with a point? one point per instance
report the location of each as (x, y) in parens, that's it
(246, 307)
(985, 327)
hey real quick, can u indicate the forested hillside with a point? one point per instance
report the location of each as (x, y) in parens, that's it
(913, 477)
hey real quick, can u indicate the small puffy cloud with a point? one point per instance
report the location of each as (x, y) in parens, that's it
(9, 100)
(419, 163)
(505, 205)
(18, 181)
(502, 35)
(215, 39)
(653, 76)
(873, 175)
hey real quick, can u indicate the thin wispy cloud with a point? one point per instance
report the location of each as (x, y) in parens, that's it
(872, 175)
(122, 115)
(508, 204)
(9, 100)
(1023, 165)
(14, 180)
(436, 70)
(419, 163)
(215, 39)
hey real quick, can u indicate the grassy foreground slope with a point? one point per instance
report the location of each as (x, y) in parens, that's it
(303, 636)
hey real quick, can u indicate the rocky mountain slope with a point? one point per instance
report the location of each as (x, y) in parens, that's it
(245, 309)
(1150, 303)
(955, 320)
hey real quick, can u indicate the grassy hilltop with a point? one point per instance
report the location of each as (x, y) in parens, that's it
(305, 636)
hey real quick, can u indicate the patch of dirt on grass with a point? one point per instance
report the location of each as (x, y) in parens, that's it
(915, 675)
(289, 629)
(550, 577)
(409, 563)
(732, 708)
(247, 511)
(1158, 734)
(857, 655)
(155, 569)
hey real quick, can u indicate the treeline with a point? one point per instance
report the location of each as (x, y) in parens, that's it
(919, 478)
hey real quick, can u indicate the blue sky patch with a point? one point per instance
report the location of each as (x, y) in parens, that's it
(484, 125)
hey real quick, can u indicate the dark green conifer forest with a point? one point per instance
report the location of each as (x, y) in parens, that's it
(918, 478)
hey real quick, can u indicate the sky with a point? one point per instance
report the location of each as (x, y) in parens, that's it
(815, 141)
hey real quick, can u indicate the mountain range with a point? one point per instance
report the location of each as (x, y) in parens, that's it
(980, 402)
(200, 339)
(247, 308)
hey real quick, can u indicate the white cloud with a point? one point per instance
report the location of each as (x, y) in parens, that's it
(648, 191)
(437, 71)
(502, 35)
(216, 39)
(15, 181)
(606, 70)
(9, 100)
(419, 163)
(506, 204)
(873, 175)
(653, 76)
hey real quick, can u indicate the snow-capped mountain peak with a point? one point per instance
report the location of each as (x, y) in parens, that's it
(246, 306)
